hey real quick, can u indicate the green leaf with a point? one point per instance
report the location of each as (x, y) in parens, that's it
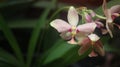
(22, 23)
(11, 39)
(36, 32)
(8, 58)
(57, 51)
(3, 64)
(43, 4)
(72, 56)
(14, 3)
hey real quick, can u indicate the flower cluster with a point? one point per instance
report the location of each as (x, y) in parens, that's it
(88, 32)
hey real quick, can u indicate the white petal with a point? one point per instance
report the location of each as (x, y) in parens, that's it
(60, 25)
(66, 35)
(87, 28)
(109, 16)
(94, 37)
(115, 9)
(73, 16)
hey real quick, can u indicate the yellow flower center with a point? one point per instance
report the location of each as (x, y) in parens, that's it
(73, 31)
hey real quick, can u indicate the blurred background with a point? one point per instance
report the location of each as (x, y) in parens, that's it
(27, 40)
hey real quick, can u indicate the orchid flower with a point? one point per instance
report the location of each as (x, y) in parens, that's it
(88, 15)
(92, 41)
(69, 29)
(109, 13)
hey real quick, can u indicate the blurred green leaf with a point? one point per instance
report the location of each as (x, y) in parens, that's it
(43, 4)
(13, 3)
(8, 58)
(72, 56)
(36, 32)
(108, 46)
(22, 23)
(57, 51)
(3, 64)
(11, 39)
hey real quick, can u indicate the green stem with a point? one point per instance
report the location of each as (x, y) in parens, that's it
(101, 17)
(12, 40)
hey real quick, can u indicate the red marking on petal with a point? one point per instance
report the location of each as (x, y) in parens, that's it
(70, 30)
(113, 17)
(77, 31)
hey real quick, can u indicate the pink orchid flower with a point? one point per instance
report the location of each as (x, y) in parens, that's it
(89, 16)
(69, 30)
(110, 15)
(92, 41)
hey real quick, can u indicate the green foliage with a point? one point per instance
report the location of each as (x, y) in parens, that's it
(8, 59)
(57, 51)
(53, 50)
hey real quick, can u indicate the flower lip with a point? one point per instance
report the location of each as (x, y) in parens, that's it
(93, 37)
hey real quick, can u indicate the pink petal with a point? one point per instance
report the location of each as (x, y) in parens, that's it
(86, 41)
(93, 54)
(60, 25)
(115, 9)
(72, 41)
(99, 48)
(87, 28)
(88, 18)
(84, 46)
(99, 24)
(73, 16)
(109, 16)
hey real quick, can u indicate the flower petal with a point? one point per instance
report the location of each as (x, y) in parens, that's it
(104, 7)
(73, 16)
(88, 18)
(99, 48)
(66, 35)
(107, 12)
(72, 41)
(87, 28)
(93, 54)
(93, 37)
(79, 37)
(109, 17)
(99, 24)
(115, 9)
(84, 46)
(60, 25)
